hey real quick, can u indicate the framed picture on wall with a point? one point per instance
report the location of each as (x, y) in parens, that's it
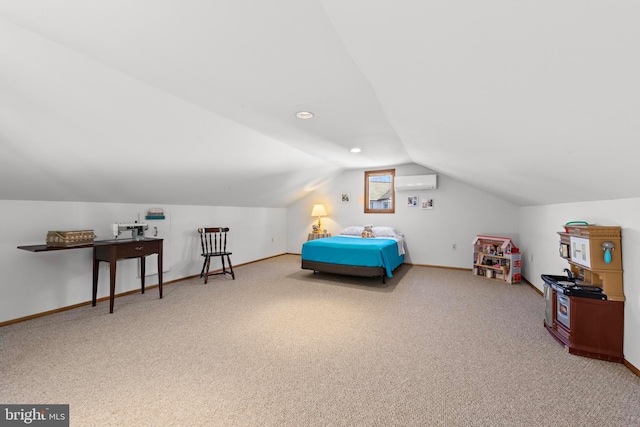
(426, 203)
(412, 201)
(346, 197)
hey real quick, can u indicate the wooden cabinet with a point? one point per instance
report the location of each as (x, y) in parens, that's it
(594, 327)
(496, 258)
(584, 247)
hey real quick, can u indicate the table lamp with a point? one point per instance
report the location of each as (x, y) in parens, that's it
(319, 211)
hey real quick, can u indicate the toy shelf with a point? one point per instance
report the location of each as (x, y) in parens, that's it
(496, 258)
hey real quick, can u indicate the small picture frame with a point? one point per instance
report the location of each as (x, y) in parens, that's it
(346, 197)
(426, 204)
(412, 201)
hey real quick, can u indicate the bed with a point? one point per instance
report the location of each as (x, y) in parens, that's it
(351, 254)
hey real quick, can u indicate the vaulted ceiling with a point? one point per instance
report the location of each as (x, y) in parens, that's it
(194, 101)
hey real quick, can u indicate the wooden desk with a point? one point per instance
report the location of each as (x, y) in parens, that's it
(111, 251)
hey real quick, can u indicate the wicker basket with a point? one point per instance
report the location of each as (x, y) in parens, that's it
(70, 238)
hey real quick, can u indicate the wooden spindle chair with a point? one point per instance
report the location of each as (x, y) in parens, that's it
(214, 244)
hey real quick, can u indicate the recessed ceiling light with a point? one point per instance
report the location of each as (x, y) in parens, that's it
(304, 115)
(355, 150)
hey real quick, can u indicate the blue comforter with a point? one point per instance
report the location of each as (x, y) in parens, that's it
(378, 252)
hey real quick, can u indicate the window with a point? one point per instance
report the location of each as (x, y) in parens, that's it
(378, 191)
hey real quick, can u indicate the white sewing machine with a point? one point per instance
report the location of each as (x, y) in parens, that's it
(137, 230)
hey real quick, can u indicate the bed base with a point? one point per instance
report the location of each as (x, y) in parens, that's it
(349, 270)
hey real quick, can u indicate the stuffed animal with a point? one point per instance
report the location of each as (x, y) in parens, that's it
(367, 233)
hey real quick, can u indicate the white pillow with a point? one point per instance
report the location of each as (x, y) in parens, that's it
(384, 232)
(353, 230)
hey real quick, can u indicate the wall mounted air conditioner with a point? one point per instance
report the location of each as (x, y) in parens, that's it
(416, 182)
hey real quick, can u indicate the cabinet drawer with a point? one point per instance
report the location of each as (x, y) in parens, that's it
(136, 249)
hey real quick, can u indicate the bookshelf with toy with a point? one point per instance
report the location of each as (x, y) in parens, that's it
(497, 258)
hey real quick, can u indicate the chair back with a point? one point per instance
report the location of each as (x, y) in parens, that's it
(213, 239)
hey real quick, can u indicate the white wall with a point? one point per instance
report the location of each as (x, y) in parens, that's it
(33, 283)
(38, 282)
(460, 212)
(539, 227)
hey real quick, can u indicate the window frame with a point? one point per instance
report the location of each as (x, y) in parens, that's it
(379, 172)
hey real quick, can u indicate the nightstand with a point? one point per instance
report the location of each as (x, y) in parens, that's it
(313, 236)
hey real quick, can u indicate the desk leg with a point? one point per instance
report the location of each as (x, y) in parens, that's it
(160, 269)
(96, 265)
(112, 275)
(142, 268)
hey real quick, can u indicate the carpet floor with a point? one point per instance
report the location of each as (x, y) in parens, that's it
(280, 346)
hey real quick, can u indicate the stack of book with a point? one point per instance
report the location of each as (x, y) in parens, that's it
(155, 213)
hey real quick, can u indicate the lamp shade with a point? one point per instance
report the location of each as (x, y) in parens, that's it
(318, 210)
